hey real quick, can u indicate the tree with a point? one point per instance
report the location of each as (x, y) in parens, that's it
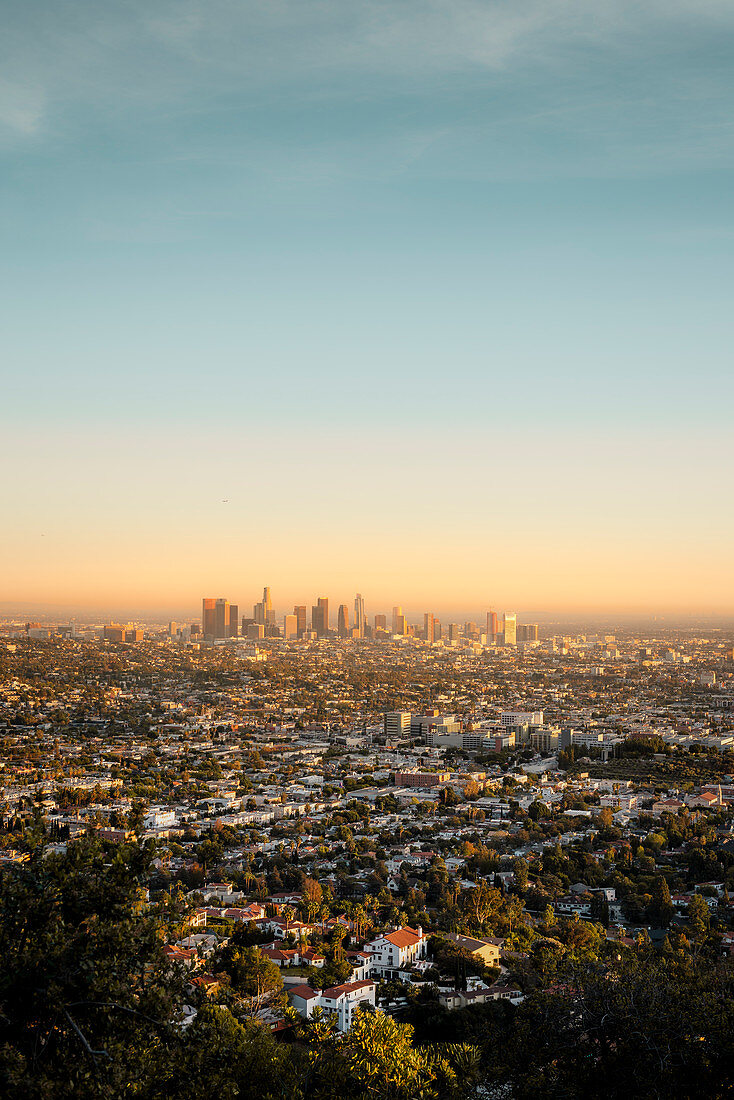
(660, 909)
(520, 869)
(87, 999)
(699, 917)
(381, 1061)
(312, 897)
(253, 976)
(227, 1058)
(648, 1026)
(600, 908)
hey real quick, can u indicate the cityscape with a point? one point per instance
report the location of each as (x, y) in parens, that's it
(366, 601)
(372, 829)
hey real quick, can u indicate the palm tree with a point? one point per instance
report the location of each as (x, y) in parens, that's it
(248, 878)
(289, 913)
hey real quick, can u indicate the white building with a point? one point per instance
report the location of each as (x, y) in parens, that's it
(340, 1001)
(521, 718)
(160, 819)
(397, 951)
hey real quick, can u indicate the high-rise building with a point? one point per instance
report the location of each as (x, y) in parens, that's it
(359, 616)
(527, 632)
(401, 625)
(300, 612)
(454, 632)
(437, 630)
(381, 622)
(208, 614)
(290, 627)
(234, 616)
(263, 612)
(320, 617)
(492, 625)
(397, 723)
(397, 613)
(510, 628)
(428, 626)
(221, 618)
(343, 621)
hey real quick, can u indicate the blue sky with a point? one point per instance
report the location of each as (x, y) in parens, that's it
(497, 225)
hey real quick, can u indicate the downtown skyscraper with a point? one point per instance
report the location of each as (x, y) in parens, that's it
(263, 612)
(359, 616)
(320, 617)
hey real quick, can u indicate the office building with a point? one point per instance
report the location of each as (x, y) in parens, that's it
(492, 626)
(437, 630)
(215, 618)
(428, 626)
(397, 614)
(290, 627)
(510, 628)
(300, 612)
(545, 739)
(527, 632)
(521, 718)
(208, 613)
(415, 778)
(454, 632)
(234, 615)
(320, 617)
(397, 723)
(342, 621)
(263, 612)
(111, 633)
(381, 622)
(431, 725)
(359, 618)
(221, 618)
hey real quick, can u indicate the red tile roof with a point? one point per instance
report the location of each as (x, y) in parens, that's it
(335, 991)
(303, 991)
(404, 937)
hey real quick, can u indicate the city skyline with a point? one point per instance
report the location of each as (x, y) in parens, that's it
(220, 621)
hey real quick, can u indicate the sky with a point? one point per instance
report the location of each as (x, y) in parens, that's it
(425, 299)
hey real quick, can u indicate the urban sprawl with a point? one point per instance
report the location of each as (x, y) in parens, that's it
(444, 828)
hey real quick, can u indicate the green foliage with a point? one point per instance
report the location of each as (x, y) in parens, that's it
(661, 1027)
(250, 972)
(85, 991)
